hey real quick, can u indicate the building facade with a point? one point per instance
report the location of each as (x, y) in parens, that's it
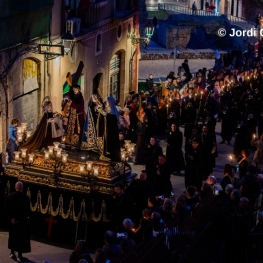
(33, 68)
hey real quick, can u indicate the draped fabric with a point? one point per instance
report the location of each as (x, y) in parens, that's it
(42, 137)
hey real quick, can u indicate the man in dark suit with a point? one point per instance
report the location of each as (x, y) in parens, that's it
(162, 182)
(122, 205)
(141, 189)
(152, 153)
(17, 210)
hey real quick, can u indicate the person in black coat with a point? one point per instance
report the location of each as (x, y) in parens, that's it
(153, 151)
(149, 83)
(174, 154)
(208, 144)
(162, 182)
(140, 189)
(122, 205)
(17, 210)
(193, 169)
(142, 131)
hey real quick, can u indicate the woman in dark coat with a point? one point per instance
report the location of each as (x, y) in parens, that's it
(174, 153)
(193, 169)
(142, 132)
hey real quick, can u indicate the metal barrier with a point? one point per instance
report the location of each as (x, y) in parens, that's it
(239, 21)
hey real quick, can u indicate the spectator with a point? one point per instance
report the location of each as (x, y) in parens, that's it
(155, 21)
(258, 17)
(140, 189)
(194, 9)
(17, 211)
(80, 252)
(162, 182)
(12, 144)
(122, 205)
(111, 248)
(228, 176)
(250, 185)
(149, 83)
(100, 256)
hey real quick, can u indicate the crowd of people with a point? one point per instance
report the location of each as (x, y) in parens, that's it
(230, 93)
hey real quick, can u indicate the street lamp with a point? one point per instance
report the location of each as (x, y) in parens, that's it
(149, 30)
(67, 41)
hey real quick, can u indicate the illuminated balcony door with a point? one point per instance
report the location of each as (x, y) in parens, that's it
(115, 77)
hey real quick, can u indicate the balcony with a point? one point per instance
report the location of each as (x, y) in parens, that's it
(123, 14)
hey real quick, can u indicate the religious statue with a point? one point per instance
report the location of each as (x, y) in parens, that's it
(76, 117)
(101, 129)
(48, 130)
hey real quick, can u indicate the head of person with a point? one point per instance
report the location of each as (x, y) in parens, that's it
(154, 109)
(146, 213)
(19, 187)
(235, 195)
(186, 61)
(109, 237)
(143, 175)
(149, 105)
(80, 247)
(244, 153)
(111, 107)
(228, 169)
(126, 111)
(151, 76)
(152, 201)
(15, 122)
(190, 191)
(195, 143)
(173, 127)
(118, 189)
(76, 89)
(127, 224)
(121, 136)
(100, 255)
(211, 180)
(228, 189)
(243, 202)
(162, 159)
(205, 129)
(47, 107)
(153, 141)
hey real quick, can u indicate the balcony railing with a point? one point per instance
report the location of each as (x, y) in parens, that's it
(123, 14)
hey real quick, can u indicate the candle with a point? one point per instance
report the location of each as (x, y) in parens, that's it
(30, 157)
(28, 134)
(50, 149)
(64, 157)
(19, 130)
(167, 107)
(59, 150)
(56, 145)
(23, 150)
(89, 165)
(195, 96)
(123, 156)
(23, 126)
(254, 136)
(46, 154)
(20, 137)
(201, 94)
(17, 153)
(81, 168)
(231, 158)
(96, 170)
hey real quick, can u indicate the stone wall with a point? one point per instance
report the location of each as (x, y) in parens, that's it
(197, 32)
(182, 55)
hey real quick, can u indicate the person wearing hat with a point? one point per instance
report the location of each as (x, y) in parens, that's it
(193, 169)
(74, 131)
